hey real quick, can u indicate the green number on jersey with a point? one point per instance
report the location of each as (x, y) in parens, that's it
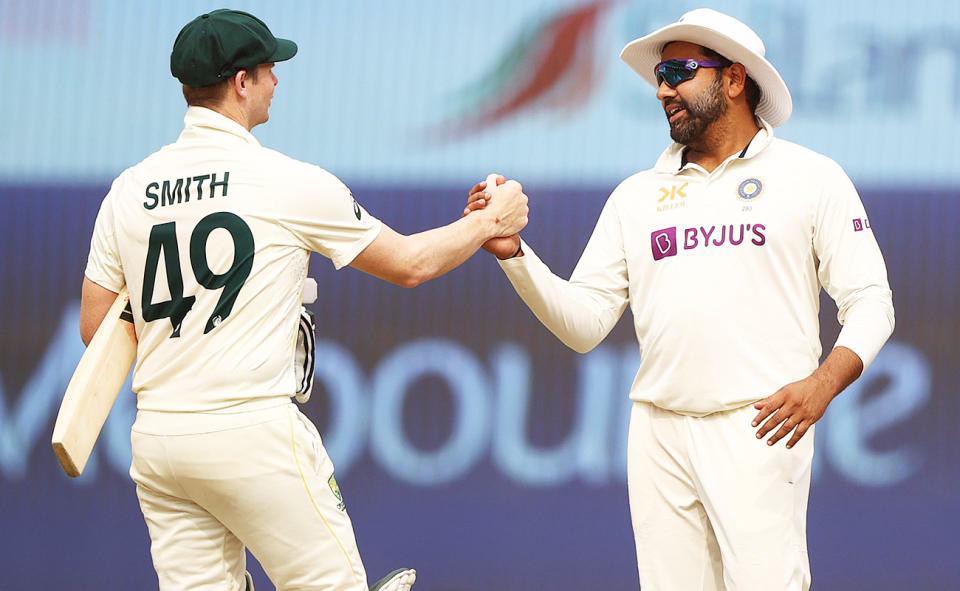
(164, 237)
(234, 278)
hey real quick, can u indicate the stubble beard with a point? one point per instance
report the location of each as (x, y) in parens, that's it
(701, 113)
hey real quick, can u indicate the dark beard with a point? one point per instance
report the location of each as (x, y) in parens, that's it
(704, 110)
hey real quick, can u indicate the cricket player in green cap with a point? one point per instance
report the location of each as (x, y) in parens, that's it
(212, 236)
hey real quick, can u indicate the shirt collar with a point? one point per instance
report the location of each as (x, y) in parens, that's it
(200, 120)
(673, 159)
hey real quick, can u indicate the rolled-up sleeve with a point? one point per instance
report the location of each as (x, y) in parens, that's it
(851, 268)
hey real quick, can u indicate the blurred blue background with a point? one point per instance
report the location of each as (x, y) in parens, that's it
(469, 443)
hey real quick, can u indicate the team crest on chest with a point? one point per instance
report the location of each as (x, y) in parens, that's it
(749, 189)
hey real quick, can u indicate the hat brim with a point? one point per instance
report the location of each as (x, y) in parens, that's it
(643, 55)
(286, 49)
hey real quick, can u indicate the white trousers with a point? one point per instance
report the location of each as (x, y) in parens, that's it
(211, 484)
(713, 507)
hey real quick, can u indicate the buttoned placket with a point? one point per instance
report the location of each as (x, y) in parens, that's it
(764, 134)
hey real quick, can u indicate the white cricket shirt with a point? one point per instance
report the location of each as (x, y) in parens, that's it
(212, 236)
(723, 272)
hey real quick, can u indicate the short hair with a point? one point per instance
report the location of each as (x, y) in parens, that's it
(751, 88)
(213, 95)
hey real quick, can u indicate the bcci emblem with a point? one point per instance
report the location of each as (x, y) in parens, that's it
(332, 481)
(749, 189)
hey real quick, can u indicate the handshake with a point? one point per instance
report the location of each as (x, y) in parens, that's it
(506, 203)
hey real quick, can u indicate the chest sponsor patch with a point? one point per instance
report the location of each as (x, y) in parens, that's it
(665, 243)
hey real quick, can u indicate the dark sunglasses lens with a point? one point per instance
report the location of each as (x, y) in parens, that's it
(673, 73)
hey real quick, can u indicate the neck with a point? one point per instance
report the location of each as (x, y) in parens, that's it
(724, 137)
(232, 110)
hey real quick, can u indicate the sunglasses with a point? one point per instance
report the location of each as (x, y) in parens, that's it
(674, 72)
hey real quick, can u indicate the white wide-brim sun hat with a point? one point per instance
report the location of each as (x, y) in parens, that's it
(730, 38)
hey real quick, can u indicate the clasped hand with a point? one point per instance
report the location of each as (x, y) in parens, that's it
(502, 247)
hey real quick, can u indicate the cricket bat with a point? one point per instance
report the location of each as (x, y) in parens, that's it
(94, 387)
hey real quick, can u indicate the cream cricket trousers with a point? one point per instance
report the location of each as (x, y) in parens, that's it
(714, 508)
(211, 484)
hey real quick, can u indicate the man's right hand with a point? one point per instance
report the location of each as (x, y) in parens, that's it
(503, 247)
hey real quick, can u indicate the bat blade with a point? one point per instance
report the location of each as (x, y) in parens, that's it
(94, 388)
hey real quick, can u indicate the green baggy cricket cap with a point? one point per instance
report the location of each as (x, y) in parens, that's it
(214, 46)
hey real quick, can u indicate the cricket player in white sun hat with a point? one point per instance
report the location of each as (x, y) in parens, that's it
(721, 250)
(212, 236)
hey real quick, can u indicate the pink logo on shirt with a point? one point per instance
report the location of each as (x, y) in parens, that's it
(663, 243)
(860, 225)
(704, 236)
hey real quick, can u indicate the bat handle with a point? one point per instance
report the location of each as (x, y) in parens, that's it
(310, 290)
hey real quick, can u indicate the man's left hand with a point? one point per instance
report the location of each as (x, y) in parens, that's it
(795, 407)
(801, 404)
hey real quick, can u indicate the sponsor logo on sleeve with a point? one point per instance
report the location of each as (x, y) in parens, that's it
(356, 206)
(859, 225)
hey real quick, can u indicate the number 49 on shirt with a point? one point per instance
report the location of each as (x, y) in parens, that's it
(163, 238)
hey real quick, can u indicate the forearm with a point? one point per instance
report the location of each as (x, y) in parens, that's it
(840, 369)
(434, 252)
(410, 260)
(95, 302)
(578, 315)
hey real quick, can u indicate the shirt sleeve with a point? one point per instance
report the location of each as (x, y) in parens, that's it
(327, 219)
(103, 263)
(581, 312)
(851, 268)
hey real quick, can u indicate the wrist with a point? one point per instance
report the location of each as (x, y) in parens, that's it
(490, 224)
(841, 367)
(516, 253)
(825, 384)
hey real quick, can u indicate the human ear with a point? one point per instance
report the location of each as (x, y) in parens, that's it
(240, 82)
(736, 80)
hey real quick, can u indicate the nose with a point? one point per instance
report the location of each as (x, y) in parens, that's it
(664, 91)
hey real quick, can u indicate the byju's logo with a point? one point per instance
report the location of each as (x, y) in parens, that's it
(663, 243)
